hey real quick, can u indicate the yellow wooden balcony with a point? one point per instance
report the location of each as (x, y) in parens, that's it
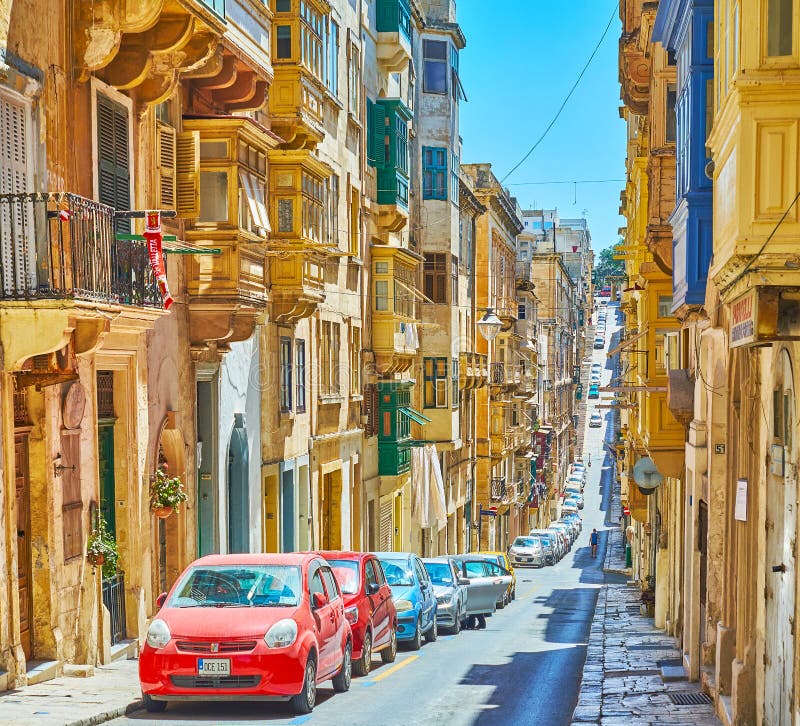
(225, 170)
(396, 332)
(145, 45)
(297, 95)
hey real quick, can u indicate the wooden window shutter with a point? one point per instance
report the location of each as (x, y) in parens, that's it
(113, 158)
(165, 156)
(187, 174)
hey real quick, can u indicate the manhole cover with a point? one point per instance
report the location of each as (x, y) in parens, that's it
(689, 699)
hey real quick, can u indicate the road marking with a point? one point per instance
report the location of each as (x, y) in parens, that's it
(300, 720)
(396, 667)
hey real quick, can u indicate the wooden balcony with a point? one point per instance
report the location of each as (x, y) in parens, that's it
(228, 289)
(394, 34)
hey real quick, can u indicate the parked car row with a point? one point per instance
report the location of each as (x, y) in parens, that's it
(274, 626)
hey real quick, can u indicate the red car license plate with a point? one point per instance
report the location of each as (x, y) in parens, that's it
(213, 666)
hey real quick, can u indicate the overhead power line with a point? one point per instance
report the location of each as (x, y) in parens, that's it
(569, 95)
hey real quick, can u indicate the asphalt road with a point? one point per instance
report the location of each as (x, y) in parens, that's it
(525, 668)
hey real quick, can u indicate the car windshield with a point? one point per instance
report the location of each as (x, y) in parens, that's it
(346, 572)
(238, 586)
(398, 572)
(526, 542)
(440, 573)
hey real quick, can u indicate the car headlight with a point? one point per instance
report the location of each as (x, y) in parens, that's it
(282, 634)
(158, 634)
(444, 599)
(403, 606)
(512, 551)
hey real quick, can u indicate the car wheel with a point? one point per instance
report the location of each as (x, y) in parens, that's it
(456, 629)
(153, 706)
(481, 622)
(363, 665)
(390, 653)
(501, 603)
(304, 701)
(472, 622)
(514, 594)
(433, 632)
(416, 641)
(341, 681)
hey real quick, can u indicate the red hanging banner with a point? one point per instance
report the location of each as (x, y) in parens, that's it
(154, 237)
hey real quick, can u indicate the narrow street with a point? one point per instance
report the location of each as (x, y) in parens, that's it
(525, 668)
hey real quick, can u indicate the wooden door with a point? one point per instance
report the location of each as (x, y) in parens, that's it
(332, 512)
(23, 541)
(105, 445)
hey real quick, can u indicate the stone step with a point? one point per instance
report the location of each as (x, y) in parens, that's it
(39, 671)
(125, 650)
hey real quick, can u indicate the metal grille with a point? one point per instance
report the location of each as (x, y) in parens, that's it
(105, 394)
(21, 407)
(230, 646)
(215, 681)
(689, 699)
(114, 600)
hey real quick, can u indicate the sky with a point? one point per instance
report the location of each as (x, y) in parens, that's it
(521, 59)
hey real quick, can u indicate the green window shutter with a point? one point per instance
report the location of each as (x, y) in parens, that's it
(377, 133)
(114, 173)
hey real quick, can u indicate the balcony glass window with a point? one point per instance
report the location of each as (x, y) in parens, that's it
(332, 69)
(286, 216)
(300, 370)
(311, 54)
(283, 42)
(213, 196)
(671, 120)
(381, 295)
(434, 172)
(665, 306)
(455, 166)
(454, 383)
(435, 374)
(434, 78)
(387, 148)
(286, 374)
(404, 300)
(435, 277)
(313, 208)
(355, 361)
(354, 82)
(283, 6)
(779, 27)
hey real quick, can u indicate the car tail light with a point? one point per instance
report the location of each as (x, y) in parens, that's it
(352, 615)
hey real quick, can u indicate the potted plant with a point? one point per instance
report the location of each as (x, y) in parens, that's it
(166, 493)
(649, 596)
(101, 548)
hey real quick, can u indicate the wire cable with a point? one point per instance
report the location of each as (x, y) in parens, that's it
(568, 96)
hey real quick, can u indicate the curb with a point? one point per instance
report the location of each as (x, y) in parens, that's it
(109, 715)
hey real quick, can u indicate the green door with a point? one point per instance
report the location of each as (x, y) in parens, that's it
(105, 445)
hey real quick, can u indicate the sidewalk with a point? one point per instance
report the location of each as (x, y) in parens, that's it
(622, 679)
(113, 691)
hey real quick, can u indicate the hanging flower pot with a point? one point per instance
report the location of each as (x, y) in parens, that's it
(166, 493)
(95, 559)
(101, 548)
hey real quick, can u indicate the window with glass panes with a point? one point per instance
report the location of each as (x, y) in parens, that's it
(454, 383)
(329, 358)
(434, 79)
(435, 376)
(332, 70)
(300, 374)
(435, 276)
(404, 301)
(332, 217)
(253, 214)
(311, 28)
(354, 81)
(313, 207)
(453, 279)
(381, 286)
(434, 172)
(455, 165)
(286, 374)
(355, 361)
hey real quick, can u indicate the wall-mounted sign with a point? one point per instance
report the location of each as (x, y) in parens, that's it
(719, 448)
(764, 315)
(740, 511)
(776, 459)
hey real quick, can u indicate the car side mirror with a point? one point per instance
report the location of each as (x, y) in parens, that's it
(423, 585)
(319, 600)
(463, 581)
(161, 599)
(373, 588)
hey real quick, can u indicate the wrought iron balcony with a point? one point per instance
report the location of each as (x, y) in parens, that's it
(499, 492)
(63, 246)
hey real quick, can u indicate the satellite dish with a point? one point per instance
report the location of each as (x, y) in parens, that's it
(645, 473)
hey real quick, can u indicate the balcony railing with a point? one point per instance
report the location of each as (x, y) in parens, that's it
(63, 246)
(498, 493)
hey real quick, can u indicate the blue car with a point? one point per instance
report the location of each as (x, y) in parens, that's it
(413, 596)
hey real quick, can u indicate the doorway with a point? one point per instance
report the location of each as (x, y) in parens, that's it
(702, 544)
(781, 559)
(105, 463)
(331, 510)
(206, 485)
(287, 510)
(24, 579)
(238, 493)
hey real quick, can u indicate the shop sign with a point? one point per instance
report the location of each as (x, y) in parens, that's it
(765, 315)
(743, 319)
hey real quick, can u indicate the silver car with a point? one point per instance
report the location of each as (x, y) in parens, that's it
(487, 582)
(526, 552)
(550, 545)
(450, 589)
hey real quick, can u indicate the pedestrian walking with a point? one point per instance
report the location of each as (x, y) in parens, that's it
(593, 541)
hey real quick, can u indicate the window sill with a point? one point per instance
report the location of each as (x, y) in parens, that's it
(332, 99)
(354, 121)
(356, 397)
(329, 399)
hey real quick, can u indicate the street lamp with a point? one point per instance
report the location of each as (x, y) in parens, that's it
(489, 325)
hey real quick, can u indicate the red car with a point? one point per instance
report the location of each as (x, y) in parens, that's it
(369, 606)
(248, 628)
